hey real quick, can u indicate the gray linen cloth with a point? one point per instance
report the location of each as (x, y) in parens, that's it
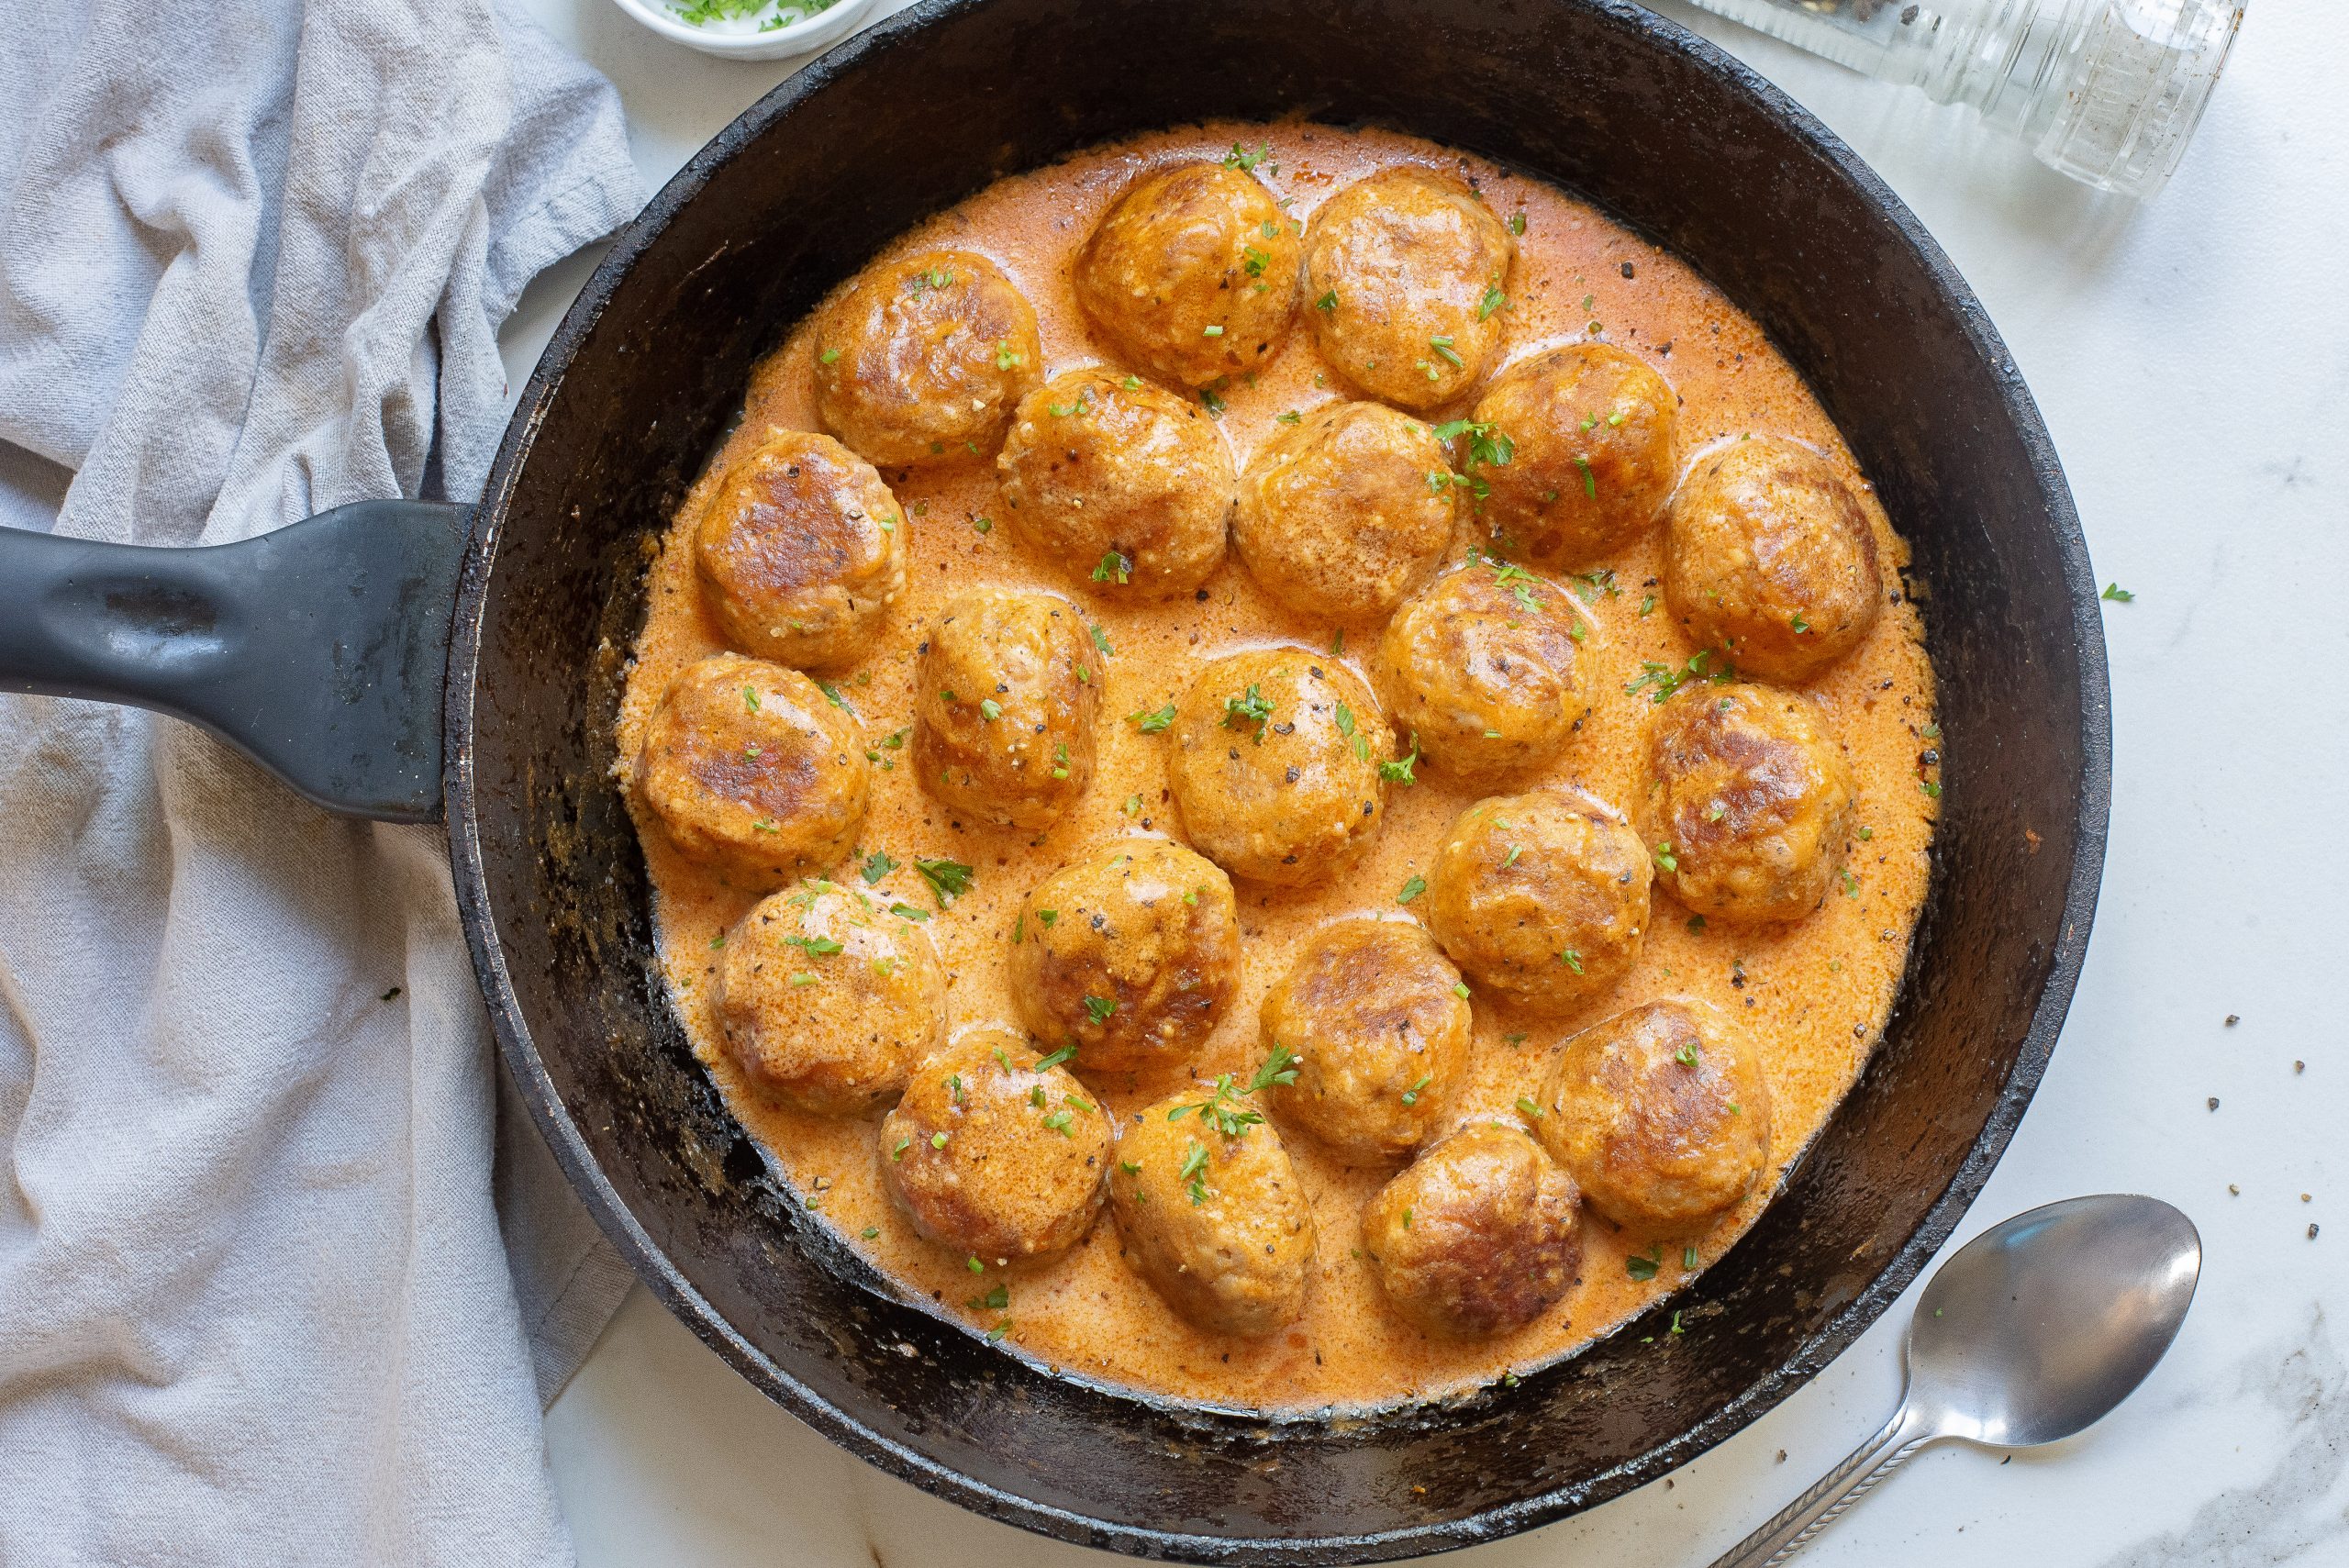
(255, 1304)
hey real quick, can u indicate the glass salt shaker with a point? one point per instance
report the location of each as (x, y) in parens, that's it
(2107, 91)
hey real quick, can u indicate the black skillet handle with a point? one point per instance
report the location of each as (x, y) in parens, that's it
(318, 650)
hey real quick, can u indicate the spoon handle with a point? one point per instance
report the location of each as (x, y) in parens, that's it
(1838, 1490)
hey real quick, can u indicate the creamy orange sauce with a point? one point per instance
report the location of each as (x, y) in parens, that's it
(1813, 998)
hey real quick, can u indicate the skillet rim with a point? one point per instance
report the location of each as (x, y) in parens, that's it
(653, 1265)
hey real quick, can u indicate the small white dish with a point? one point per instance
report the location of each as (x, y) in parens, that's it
(746, 38)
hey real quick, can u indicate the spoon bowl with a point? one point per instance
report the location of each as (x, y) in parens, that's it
(2030, 1334)
(2044, 1323)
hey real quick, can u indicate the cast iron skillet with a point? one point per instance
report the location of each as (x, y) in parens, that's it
(319, 650)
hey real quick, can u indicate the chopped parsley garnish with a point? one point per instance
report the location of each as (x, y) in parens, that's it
(1667, 679)
(1487, 443)
(1643, 1268)
(1116, 567)
(1280, 1067)
(1517, 223)
(1493, 299)
(1194, 1172)
(1063, 1054)
(1101, 641)
(1212, 330)
(876, 865)
(1666, 860)
(1688, 1055)
(995, 1300)
(1797, 624)
(1008, 358)
(1100, 1009)
(829, 356)
(1398, 769)
(1255, 709)
(814, 947)
(1291, 418)
(1239, 157)
(1328, 302)
(1059, 1122)
(751, 698)
(1412, 890)
(1572, 960)
(1411, 1094)
(990, 709)
(948, 880)
(1152, 721)
(1442, 346)
(1525, 1103)
(907, 912)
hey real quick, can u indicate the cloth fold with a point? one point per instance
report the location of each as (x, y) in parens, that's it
(255, 1301)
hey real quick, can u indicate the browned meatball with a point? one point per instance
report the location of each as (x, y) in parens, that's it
(1541, 898)
(801, 553)
(994, 1155)
(826, 1000)
(924, 358)
(749, 767)
(1662, 1115)
(1483, 670)
(1276, 764)
(1005, 702)
(1478, 1235)
(1126, 486)
(1769, 556)
(1130, 956)
(1212, 1213)
(1755, 803)
(1337, 516)
(1406, 275)
(1592, 448)
(1379, 1031)
(1193, 274)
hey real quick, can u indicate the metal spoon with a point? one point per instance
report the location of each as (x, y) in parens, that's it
(2032, 1332)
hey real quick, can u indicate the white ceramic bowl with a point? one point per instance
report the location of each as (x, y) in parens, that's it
(743, 40)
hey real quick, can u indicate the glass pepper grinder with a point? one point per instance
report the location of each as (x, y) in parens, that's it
(2107, 91)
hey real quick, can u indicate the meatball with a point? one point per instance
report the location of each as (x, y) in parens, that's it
(1482, 670)
(994, 1154)
(1752, 803)
(1005, 702)
(1336, 515)
(1542, 897)
(1193, 274)
(924, 358)
(1477, 1236)
(1591, 454)
(826, 1000)
(1126, 484)
(1379, 1031)
(1406, 273)
(1276, 763)
(749, 767)
(1130, 956)
(1662, 1115)
(1212, 1213)
(1768, 556)
(801, 553)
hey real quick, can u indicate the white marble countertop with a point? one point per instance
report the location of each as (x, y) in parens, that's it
(2192, 358)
